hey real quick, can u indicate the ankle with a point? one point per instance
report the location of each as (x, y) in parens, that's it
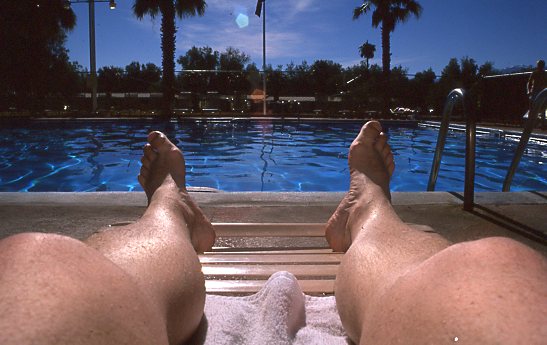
(167, 189)
(366, 212)
(173, 204)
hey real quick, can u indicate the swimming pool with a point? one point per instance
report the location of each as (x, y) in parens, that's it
(243, 155)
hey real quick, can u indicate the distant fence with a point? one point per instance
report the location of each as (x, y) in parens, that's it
(503, 98)
(500, 98)
(210, 102)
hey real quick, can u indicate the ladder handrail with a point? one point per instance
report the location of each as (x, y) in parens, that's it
(469, 188)
(539, 104)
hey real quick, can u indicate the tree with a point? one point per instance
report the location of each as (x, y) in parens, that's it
(367, 51)
(194, 62)
(364, 90)
(109, 79)
(32, 37)
(277, 83)
(141, 78)
(197, 65)
(326, 78)
(387, 13)
(487, 69)
(150, 76)
(400, 86)
(458, 75)
(168, 10)
(469, 74)
(232, 63)
(451, 73)
(421, 88)
(298, 77)
(233, 59)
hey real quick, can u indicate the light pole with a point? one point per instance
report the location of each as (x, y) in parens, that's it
(92, 53)
(261, 7)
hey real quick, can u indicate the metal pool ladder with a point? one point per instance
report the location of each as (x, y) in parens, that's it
(470, 129)
(539, 105)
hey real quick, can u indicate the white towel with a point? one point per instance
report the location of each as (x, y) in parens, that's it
(278, 314)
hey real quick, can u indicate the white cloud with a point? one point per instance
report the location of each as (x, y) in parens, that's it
(353, 62)
(218, 29)
(282, 41)
(249, 40)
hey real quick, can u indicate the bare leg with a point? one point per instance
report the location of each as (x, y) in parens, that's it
(138, 284)
(397, 284)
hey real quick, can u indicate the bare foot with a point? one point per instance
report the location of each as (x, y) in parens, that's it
(163, 165)
(161, 158)
(371, 165)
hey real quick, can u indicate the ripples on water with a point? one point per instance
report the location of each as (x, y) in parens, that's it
(245, 156)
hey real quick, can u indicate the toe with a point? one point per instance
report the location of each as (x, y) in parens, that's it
(389, 162)
(386, 151)
(160, 142)
(373, 125)
(370, 132)
(153, 135)
(381, 142)
(144, 171)
(145, 161)
(157, 140)
(391, 168)
(149, 153)
(141, 179)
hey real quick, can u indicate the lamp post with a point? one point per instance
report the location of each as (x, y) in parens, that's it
(92, 53)
(261, 8)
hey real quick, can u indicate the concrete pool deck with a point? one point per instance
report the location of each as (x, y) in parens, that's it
(519, 215)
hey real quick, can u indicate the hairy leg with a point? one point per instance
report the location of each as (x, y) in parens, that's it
(159, 250)
(398, 284)
(57, 290)
(138, 284)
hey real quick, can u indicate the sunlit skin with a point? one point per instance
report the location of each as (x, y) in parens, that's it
(401, 284)
(142, 283)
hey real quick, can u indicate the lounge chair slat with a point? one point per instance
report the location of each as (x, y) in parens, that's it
(253, 272)
(246, 287)
(269, 229)
(235, 251)
(243, 271)
(268, 258)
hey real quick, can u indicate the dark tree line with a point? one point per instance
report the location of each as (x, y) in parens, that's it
(202, 70)
(133, 78)
(33, 60)
(36, 73)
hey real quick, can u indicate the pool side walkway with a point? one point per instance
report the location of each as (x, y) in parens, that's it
(519, 215)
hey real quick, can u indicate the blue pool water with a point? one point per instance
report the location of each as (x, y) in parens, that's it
(243, 155)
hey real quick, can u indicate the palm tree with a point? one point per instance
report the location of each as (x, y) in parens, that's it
(168, 9)
(367, 51)
(387, 13)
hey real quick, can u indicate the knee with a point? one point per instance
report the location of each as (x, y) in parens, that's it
(32, 246)
(498, 251)
(39, 257)
(50, 281)
(469, 289)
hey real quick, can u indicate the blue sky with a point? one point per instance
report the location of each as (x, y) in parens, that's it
(505, 32)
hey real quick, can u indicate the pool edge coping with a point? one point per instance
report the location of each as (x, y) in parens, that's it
(207, 198)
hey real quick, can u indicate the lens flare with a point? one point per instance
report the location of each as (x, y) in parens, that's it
(242, 20)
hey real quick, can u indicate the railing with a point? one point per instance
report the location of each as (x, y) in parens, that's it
(539, 105)
(469, 185)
